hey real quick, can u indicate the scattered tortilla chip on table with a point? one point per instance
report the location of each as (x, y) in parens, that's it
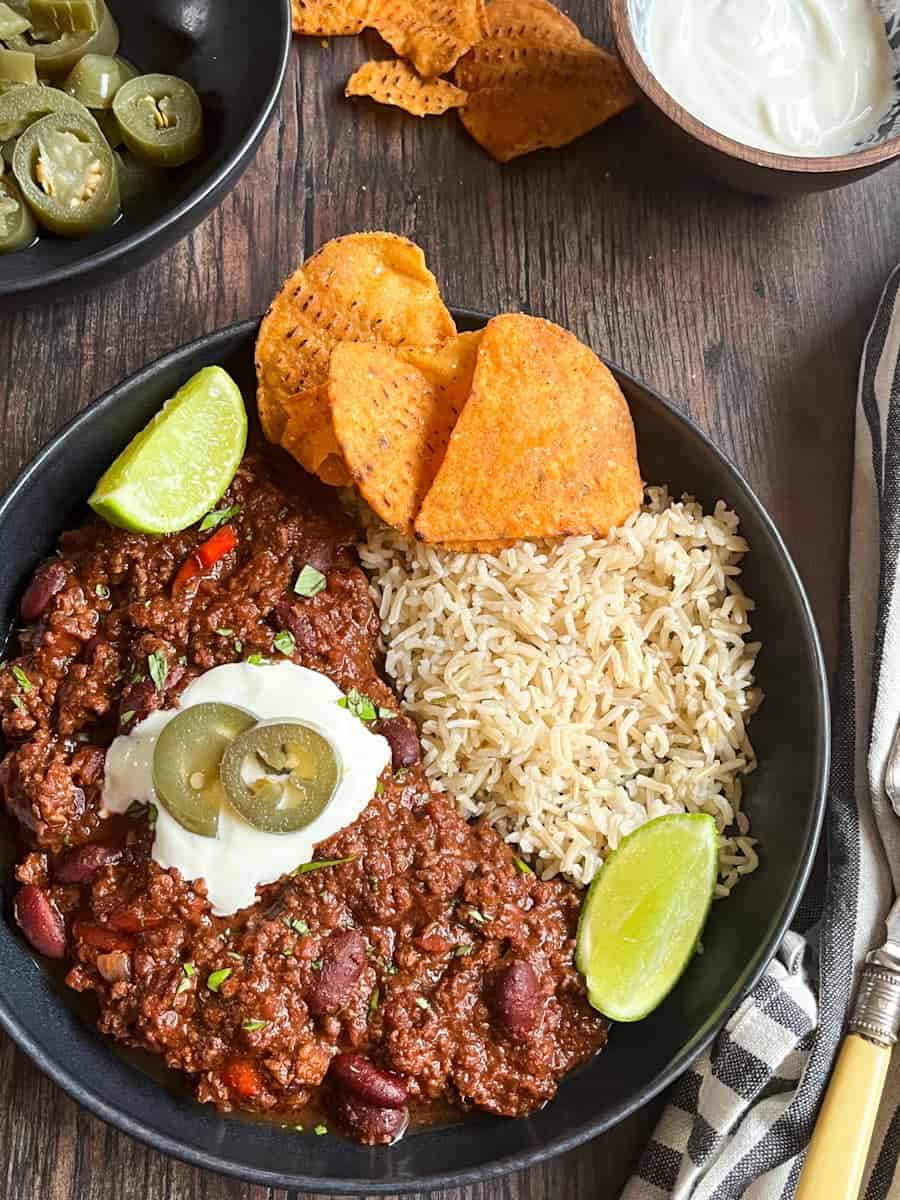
(393, 413)
(432, 34)
(330, 18)
(366, 287)
(545, 445)
(396, 82)
(535, 82)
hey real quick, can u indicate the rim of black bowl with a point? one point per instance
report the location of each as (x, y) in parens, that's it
(105, 1109)
(199, 201)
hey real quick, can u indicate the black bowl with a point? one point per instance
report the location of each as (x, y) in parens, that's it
(785, 799)
(235, 53)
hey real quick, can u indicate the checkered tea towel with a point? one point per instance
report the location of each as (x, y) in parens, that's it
(737, 1125)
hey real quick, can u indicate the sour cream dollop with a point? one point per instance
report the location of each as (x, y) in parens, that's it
(242, 858)
(799, 77)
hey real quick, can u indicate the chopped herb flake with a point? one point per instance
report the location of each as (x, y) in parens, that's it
(22, 679)
(387, 714)
(18, 702)
(321, 864)
(309, 582)
(213, 520)
(374, 999)
(284, 642)
(238, 646)
(252, 1025)
(422, 1002)
(287, 954)
(158, 665)
(477, 916)
(316, 964)
(126, 716)
(102, 591)
(256, 660)
(225, 632)
(320, 1130)
(152, 813)
(298, 925)
(359, 705)
(217, 978)
(462, 951)
(236, 957)
(299, 1128)
(137, 677)
(522, 866)
(189, 970)
(379, 788)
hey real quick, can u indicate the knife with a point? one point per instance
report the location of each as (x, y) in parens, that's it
(836, 1158)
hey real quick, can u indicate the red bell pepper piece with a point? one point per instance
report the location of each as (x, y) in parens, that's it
(242, 1077)
(205, 556)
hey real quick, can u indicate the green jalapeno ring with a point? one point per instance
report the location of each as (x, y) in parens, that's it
(12, 23)
(161, 119)
(60, 56)
(17, 67)
(95, 79)
(25, 105)
(67, 174)
(53, 19)
(17, 225)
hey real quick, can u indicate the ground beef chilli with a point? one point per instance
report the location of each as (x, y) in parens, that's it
(429, 968)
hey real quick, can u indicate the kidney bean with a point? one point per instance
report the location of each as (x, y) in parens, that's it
(343, 960)
(401, 735)
(291, 615)
(518, 998)
(82, 864)
(101, 937)
(319, 554)
(115, 967)
(41, 921)
(48, 580)
(371, 1084)
(370, 1125)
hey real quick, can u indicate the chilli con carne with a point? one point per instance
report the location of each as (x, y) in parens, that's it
(412, 964)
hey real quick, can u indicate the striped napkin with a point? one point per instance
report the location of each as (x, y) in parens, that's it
(737, 1125)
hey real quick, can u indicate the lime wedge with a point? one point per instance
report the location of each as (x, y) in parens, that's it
(644, 912)
(179, 465)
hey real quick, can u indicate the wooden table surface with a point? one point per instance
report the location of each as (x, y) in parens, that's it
(749, 313)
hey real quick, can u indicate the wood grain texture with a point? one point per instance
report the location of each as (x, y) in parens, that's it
(749, 314)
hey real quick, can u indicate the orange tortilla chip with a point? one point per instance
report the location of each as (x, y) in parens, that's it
(365, 287)
(395, 82)
(393, 413)
(544, 447)
(535, 82)
(309, 438)
(330, 18)
(432, 34)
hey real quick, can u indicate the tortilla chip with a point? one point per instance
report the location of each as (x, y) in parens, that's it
(544, 447)
(309, 438)
(393, 413)
(330, 18)
(365, 287)
(395, 82)
(535, 82)
(432, 34)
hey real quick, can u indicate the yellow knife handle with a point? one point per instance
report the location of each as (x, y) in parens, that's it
(836, 1157)
(837, 1153)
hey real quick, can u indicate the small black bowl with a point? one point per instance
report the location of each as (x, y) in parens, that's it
(785, 799)
(235, 53)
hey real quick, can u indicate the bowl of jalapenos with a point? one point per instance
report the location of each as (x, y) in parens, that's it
(122, 123)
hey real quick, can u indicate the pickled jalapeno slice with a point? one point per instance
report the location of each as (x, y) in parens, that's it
(67, 174)
(12, 23)
(17, 67)
(25, 105)
(186, 763)
(17, 225)
(53, 19)
(95, 79)
(161, 119)
(280, 776)
(60, 56)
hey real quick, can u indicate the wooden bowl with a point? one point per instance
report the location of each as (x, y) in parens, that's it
(739, 166)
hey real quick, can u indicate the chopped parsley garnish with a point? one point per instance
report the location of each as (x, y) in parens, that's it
(422, 1002)
(320, 1130)
(359, 704)
(137, 677)
(18, 702)
(287, 954)
(284, 642)
(126, 716)
(298, 925)
(522, 866)
(22, 679)
(374, 999)
(158, 666)
(236, 957)
(256, 660)
(217, 978)
(102, 591)
(225, 632)
(379, 788)
(321, 864)
(189, 971)
(477, 916)
(152, 813)
(238, 646)
(316, 964)
(387, 714)
(252, 1025)
(462, 951)
(309, 582)
(213, 520)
